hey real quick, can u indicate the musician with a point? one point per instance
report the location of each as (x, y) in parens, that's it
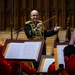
(34, 28)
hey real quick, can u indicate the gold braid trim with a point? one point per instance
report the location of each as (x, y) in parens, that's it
(39, 33)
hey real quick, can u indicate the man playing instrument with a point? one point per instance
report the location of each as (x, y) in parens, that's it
(34, 28)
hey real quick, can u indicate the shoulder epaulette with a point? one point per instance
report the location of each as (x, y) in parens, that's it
(27, 22)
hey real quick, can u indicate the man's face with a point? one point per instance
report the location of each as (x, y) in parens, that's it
(34, 15)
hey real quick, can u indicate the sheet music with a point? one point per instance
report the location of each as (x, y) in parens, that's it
(14, 50)
(27, 50)
(48, 61)
(60, 54)
(31, 50)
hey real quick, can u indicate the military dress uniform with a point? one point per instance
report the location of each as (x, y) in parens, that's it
(35, 34)
(40, 33)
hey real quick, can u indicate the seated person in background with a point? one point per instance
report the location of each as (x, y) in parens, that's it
(69, 53)
(8, 67)
(70, 49)
(69, 58)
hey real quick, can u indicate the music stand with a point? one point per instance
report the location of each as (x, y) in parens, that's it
(56, 54)
(8, 41)
(45, 61)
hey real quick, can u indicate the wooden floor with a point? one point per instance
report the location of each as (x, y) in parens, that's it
(21, 36)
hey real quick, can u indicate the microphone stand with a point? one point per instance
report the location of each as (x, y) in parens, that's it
(11, 23)
(17, 33)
